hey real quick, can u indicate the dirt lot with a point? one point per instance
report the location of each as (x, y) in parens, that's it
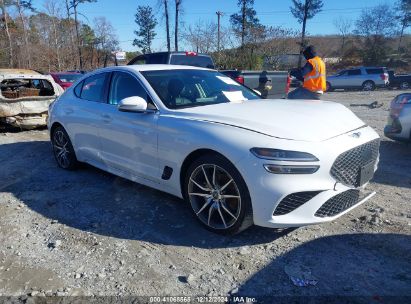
(90, 233)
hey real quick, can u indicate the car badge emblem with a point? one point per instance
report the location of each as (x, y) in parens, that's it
(356, 135)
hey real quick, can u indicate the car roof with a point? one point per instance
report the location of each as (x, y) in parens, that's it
(18, 71)
(369, 67)
(159, 67)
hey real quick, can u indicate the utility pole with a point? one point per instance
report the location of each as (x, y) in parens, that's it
(178, 3)
(219, 14)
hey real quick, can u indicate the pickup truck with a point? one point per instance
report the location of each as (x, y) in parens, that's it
(178, 58)
(269, 84)
(402, 81)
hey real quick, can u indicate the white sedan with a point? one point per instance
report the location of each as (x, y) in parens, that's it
(236, 159)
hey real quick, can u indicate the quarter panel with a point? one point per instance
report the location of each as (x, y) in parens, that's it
(80, 119)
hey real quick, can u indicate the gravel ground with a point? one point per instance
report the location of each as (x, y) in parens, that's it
(89, 233)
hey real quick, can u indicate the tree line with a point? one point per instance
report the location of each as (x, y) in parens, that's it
(246, 43)
(58, 36)
(54, 37)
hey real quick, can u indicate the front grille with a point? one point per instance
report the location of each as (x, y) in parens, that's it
(347, 166)
(293, 201)
(340, 203)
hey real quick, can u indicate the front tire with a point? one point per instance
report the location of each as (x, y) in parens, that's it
(218, 195)
(63, 149)
(368, 86)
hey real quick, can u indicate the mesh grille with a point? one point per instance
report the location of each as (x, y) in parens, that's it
(346, 168)
(339, 203)
(293, 201)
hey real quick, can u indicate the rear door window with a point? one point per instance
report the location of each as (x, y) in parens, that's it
(375, 71)
(354, 72)
(94, 88)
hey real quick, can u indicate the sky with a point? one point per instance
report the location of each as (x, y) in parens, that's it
(270, 12)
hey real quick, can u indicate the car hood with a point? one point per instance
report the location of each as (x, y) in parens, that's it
(304, 120)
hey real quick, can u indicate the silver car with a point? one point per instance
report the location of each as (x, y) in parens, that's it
(399, 120)
(365, 78)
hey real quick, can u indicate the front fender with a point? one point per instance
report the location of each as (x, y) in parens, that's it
(178, 138)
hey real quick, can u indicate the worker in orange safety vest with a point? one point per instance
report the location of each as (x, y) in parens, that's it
(313, 76)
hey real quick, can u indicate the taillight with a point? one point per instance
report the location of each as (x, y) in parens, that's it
(65, 85)
(384, 77)
(191, 54)
(287, 86)
(239, 79)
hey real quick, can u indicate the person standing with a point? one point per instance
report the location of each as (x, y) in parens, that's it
(312, 75)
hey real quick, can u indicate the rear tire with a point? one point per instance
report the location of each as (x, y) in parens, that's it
(368, 85)
(404, 85)
(63, 149)
(218, 195)
(329, 88)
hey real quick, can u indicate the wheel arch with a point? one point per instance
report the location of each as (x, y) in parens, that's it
(330, 87)
(58, 124)
(195, 155)
(368, 80)
(192, 157)
(54, 126)
(248, 219)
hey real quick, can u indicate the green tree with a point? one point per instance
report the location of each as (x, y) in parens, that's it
(245, 22)
(88, 40)
(146, 22)
(303, 10)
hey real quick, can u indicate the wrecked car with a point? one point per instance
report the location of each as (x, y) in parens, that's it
(25, 96)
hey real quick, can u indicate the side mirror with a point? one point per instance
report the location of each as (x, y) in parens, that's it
(132, 104)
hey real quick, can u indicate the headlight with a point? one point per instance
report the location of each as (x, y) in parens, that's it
(283, 155)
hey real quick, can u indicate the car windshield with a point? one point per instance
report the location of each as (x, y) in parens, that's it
(69, 77)
(193, 88)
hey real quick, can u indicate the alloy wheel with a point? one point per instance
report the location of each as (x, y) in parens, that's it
(61, 149)
(368, 86)
(404, 85)
(214, 196)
